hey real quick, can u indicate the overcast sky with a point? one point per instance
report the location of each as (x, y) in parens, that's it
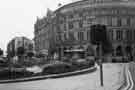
(17, 17)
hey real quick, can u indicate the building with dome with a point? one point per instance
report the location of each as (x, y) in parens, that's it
(74, 20)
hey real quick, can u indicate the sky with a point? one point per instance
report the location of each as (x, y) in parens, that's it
(17, 17)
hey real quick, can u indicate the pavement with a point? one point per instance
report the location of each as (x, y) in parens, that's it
(113, 79)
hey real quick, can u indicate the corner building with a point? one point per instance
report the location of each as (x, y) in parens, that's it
(118, 15)
(43, 32)
(17, 42)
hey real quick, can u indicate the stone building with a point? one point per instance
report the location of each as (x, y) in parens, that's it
(44, 34)
(19, 42)
(75, 19)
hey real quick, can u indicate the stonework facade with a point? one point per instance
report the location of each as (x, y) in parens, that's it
(43, 32)
(76, 19)
(17, 42)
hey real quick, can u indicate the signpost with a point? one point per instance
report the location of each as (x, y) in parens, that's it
(100, 64)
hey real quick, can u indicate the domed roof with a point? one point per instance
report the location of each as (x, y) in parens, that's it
(79, 4)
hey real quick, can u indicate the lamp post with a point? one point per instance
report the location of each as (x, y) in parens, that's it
(100, 64)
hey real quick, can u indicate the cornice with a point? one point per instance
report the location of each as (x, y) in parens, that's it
(87, 4)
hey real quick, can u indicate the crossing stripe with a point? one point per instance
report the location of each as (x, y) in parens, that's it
(127, 80)
(131, 80)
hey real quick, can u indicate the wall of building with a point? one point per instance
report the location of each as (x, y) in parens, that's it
(20, 42)
(118, 15)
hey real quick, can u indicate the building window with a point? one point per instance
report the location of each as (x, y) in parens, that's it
(114, 21)
(128, 22)
(70, 25)
(105, 21)
(119, 35)
(65, 36)
(119, 51)
(115, 11)
(80, 36)
(80, 24)
(70, 16)
(132, 21)
(128, 35)
(134, 34)
(88, 35)
(119, 22)
(80, 14)
(65, 27)
(111, 34)
(110, 21)
(124, 22)
(71, 36)
(57, 38)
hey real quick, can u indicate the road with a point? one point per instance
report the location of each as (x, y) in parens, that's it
(90, 81)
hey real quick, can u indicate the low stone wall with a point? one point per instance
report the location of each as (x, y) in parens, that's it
(78, 72)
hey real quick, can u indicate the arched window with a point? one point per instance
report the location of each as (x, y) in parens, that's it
(90, 51)
(119, 51)
(119, 22)
(119, 35)
(128, 35)
(128, 50)
(128, 21)
(80, 36)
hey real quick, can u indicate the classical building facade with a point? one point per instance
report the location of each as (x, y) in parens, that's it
(43, 32)
(75, 19)
(20, 42)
